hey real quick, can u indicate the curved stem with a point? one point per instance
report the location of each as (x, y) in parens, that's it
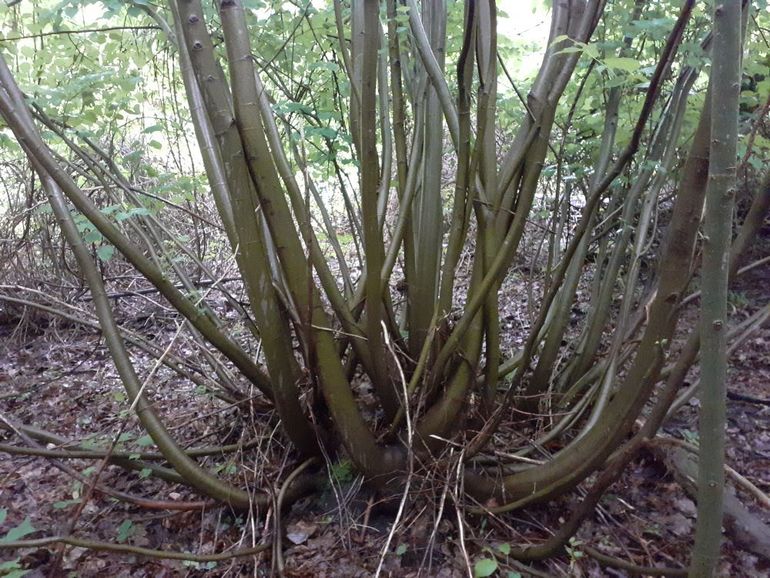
(129, 549)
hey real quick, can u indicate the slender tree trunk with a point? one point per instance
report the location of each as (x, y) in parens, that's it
(726, 76)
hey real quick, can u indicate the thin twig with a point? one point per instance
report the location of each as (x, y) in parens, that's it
(278, 530)
(410, 436)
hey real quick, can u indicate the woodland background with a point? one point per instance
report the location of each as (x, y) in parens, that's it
(395, 288)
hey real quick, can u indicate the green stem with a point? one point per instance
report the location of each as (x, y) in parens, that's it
(725, 84)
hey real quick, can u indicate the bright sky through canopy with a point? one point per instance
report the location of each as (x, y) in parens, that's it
(523, 22)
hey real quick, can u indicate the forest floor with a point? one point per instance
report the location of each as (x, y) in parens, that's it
(60, 378)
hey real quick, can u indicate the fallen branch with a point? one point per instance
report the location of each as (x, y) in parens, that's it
(128, 549)
(747, 398)
(151, 290)
(747, 530)
(630, 567)
(740, 480)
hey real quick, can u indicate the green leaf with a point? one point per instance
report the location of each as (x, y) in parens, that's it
(484, 567)
(296, 107)
(616, 80)
(560, 38)
(12, 569)
(618, 63)
(513, 575)
(504, 548)
(19, 531)
(132, 212)
(82, 224)
(145, 473)
(144, 441)
(322, 64)
(90, 443)
(93, 237)
(322, 131)
(125, 531)
(591, 51)
(110, 209)
(105, 252)
(133, 156)
(401, 550)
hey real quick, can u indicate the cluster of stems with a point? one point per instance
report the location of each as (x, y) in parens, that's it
(436, 369)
